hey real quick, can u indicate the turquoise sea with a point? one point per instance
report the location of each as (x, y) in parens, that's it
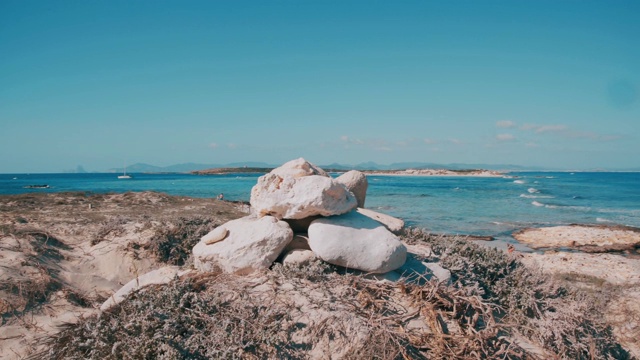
(455, 205)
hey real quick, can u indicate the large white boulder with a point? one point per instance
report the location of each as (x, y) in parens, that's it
(251, 244)
(287, 193)
(394, 224)
(356, 241)
(356, 182)
(298, 168)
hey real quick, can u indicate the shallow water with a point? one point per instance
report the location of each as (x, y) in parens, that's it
(455, 205)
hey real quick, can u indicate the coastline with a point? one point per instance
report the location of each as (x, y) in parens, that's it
(435, 172)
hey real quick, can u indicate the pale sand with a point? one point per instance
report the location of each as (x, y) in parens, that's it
(616, 275)
(66, 265)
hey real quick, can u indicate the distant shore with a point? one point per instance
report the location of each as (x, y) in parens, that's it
(435, 172)
(404, 172)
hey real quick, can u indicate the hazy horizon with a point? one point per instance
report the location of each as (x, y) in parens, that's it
(552, 84)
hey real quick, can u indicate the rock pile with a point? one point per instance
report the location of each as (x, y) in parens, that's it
(299, 199)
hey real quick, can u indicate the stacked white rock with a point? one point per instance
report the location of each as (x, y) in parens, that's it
(302, 196)
(356, 241)
(356, 182)
(251, 244)
(299, 189)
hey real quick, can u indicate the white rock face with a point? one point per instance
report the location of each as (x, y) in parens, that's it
(394, 224)
(216, 235)
(356, 241)
(299, 257)
(300, 197)
(160, 276)
(356, 182)
(252, 244)
(298, 168)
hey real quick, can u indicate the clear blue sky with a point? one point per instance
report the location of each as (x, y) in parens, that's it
(95, 83)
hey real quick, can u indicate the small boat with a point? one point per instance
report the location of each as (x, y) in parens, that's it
(43, 186)
(124, 174)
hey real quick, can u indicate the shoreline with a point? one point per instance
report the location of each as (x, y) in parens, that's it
(436, 173)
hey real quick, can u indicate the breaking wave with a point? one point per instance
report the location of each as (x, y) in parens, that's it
(527, 196)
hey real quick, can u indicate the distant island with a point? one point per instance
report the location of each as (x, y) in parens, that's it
(405, 172)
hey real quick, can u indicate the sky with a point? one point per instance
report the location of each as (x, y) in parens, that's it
(99, 84)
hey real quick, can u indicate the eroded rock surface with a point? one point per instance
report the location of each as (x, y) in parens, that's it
(252, 244)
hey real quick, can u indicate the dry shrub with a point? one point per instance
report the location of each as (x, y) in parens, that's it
(568, 322)
(27, 293)
(202, 317)
(112, 227)
(173, 243)
(492, 297)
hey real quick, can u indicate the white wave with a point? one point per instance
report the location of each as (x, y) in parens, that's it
(536, 196)
(603, 220)
(518, 181)
(535, 203)
(533, 190)
(550, 177)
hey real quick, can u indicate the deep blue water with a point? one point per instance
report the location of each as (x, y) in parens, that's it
(464, 205)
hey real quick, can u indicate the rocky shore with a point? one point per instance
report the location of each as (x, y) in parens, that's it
(309, 273)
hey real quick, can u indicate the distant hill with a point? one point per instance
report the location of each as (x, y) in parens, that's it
(192, 167)
(186, 167)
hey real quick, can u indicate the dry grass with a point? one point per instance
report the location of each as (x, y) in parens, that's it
(566, 321)
(172, 243)
(308, 311)
(492, 298)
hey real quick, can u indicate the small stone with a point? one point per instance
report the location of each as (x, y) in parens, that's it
(216, 235)
(299, 257)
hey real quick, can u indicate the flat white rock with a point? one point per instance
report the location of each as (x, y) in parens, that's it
(251, 244)
(357, 242)
(160, 276)
(394, 224)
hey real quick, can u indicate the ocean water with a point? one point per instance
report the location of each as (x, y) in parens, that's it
(453, 205)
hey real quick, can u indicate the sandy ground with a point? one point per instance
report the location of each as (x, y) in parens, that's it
(615, 275)
(589, 238)
(62, 255)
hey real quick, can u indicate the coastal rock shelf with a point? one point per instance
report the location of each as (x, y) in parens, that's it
(586, 238)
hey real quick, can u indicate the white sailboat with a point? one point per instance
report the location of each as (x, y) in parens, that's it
(124, 174)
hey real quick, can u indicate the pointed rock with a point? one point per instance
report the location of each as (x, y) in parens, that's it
(294, 191)
(356, 182)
